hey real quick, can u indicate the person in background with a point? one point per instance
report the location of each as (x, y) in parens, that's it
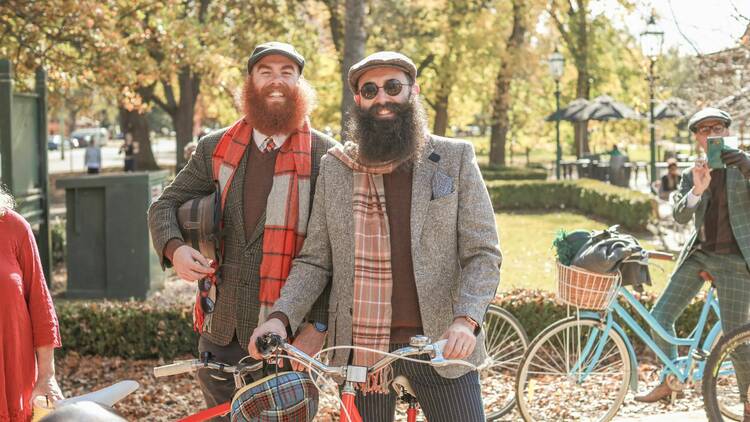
(93, 157)
(29, 331)
(128, 147)
(670, 181)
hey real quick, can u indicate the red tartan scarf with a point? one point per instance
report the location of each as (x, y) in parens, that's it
(373, 280)
(287, 209)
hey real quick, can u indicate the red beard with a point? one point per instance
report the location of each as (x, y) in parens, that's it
(281, 118)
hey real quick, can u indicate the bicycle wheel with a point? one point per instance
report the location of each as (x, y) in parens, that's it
(559, 378)
(506, 342)
(720, 387)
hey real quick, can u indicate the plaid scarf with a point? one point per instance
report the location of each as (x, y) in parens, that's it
(287, 209)
(373, 282)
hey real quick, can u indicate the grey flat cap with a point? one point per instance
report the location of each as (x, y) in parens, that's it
(275, 47)
(709, 113)
(381, 59)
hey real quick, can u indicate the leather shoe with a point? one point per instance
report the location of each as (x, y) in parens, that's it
(746, 417)
(660, 392)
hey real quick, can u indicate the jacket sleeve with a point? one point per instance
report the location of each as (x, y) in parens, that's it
(680, 211)
(478, 245)
(192, 182)
(311, 270)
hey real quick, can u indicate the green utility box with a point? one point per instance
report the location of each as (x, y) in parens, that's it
(108, 244)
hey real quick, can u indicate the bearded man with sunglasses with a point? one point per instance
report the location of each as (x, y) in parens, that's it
(718, 200)
(403, 222)
(267, 193)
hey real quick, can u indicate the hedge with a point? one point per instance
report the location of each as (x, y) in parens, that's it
(135, 330)
(632, 210)
(513, 173)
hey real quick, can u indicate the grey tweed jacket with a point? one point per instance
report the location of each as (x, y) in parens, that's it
(738, 197)
(237, 304)
(455, 247)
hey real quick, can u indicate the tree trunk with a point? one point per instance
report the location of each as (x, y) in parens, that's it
(580, 129)
(441, 115)
(182, 118)
(135, 123)
(355, 39)
(501, 104)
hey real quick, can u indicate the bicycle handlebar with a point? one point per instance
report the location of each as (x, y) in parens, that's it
(184, 366)
(666, 256)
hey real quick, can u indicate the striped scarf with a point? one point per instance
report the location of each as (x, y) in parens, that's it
(287, 209)
(373, 282)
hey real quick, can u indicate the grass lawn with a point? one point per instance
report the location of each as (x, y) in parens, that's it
(528, 257)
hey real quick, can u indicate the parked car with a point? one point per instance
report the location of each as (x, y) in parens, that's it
(80, 138)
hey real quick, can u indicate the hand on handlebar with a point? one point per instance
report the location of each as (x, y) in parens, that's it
(461, 340)
(272, 326)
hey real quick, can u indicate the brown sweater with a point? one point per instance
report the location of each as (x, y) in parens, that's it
(406, 320)
(717, 233)
(258, 182)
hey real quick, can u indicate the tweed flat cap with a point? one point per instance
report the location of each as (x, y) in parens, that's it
(381, 59)
(275, 47)
(709, 113)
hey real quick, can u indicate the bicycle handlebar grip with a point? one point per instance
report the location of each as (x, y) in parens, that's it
(173, 369)
(267, 343)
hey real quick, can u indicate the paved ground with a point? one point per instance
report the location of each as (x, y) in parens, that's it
(696, 416)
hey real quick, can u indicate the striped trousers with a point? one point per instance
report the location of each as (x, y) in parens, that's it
(440, 399)
(732, 281)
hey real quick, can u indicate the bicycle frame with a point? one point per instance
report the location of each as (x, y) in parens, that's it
(682, 367)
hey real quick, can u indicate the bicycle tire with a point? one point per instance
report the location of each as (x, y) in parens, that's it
(558, 400)
(715, 408)
(506, 342)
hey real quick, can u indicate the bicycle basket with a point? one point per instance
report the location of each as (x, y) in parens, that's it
(585, 289)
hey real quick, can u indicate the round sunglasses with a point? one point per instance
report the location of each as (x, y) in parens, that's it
(392, 87)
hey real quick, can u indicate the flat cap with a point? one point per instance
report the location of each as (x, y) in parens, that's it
(709, 113)
(381, 59)
(275, 47)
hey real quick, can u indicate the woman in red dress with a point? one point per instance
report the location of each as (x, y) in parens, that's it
(28, 324)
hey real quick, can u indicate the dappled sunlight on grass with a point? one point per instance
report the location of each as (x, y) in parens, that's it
(528, 257)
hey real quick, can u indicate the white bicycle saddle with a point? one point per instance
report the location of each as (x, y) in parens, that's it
(400, 383)
(107, 396)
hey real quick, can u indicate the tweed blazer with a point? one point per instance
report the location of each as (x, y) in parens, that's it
(454, 242)
(237, 304)
(738, 197)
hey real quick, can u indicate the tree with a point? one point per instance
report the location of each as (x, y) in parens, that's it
(501, 103)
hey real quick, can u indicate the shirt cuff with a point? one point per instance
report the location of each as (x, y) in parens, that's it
(171, 247)
(280, 316)
(692, 199)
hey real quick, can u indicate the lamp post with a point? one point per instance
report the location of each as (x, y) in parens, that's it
(651, 42)
(556, 68)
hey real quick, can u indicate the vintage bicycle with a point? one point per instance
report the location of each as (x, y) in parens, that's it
(580, 368)
(505, 341)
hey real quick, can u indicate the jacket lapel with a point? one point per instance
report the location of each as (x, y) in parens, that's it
(234, 207)
(421, 193)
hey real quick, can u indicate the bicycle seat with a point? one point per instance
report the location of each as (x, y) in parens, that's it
(107, 396)
(401, 385)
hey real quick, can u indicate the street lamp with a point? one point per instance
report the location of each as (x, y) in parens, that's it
(556, 68)
(651, 42)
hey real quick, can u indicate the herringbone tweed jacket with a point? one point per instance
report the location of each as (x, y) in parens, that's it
(454, 244)
(237, 303)
(738, 197)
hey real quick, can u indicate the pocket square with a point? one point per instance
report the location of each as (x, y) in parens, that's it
(442, 185)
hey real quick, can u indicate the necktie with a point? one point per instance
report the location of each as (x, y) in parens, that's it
(270, 145)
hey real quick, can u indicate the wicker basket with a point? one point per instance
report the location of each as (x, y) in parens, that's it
(584, 289)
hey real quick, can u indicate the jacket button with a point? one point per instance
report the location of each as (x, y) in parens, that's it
(351, 313)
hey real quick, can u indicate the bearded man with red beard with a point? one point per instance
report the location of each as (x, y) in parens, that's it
(267, 200)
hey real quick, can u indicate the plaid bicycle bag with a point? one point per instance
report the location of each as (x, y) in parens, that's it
(286, 397)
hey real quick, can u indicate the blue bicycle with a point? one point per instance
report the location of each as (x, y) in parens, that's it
(580, 368)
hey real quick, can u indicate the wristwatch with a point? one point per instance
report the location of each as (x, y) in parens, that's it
(320, 327)
(474, 324)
